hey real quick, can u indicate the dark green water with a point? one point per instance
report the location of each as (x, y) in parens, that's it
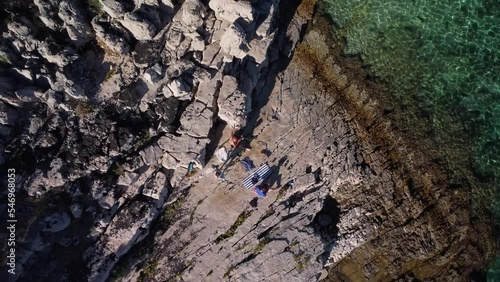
(446, 54)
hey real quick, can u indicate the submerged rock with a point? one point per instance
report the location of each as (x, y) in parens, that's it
(56, 222)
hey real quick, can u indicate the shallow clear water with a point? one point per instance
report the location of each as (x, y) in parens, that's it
(446, 53)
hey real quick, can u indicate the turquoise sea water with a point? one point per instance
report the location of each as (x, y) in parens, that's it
(446, 53)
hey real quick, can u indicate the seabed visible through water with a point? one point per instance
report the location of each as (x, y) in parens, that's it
(443, 58)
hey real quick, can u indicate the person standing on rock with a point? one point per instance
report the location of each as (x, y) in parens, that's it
(237, 139)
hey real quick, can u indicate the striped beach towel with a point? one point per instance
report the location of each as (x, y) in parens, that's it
(260, 174)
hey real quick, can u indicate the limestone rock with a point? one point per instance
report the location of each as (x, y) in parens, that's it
(184, 148)
(76, 210)
(48, 12)
(75, 22)
(141, 28)
(169, 162)
(232, 103)
(56, 222)
(113, 39)
(174, 38)
(191, 12)
(8, 116)
(221, 154)
(20, 29)
(41, 182)
(209, 55)
(67, 86)
(233, 41)
(28, 94)
(197, 120)
(151, 154)
(180, 89)
(207, 91)
(258, 48)
(157, 188)
(197, 42)
(61, 59)
(126, 228)
(230, 10)
(153, 75)
(113, 8)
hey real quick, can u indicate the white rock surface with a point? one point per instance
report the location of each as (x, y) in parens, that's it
(197, 120)
(180, 89)
(184, 148)
(125, 228)
(233, 41)
(232, 103)
(230, 10)
(151, 154)
(157, 188)
(141, 28)
(192, 14)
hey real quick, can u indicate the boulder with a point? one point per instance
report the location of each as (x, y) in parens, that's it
(180, 89)
(231, 10)
(169, 162)
(113, 8)
(221, 154)
(207, 90)
(20, 30)
(258, 48)
(48, 12)
(28, 94)
(157, 188)
(63, 84)
(8, 115)
(233, 41)
(151, 154)
(209, 54)
(174, 38)
(56, 222)
(184, 148)
(61, 59)
(42, 181)
(232, 103)
(127, 228)
(127, 178)
(191, 14)
(76, 210)
(75, 23)
(153, 75)
(113, 40)
(197, 120)
(141, 29)
(197, 42)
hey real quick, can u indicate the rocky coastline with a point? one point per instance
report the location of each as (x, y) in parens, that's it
(106, 103)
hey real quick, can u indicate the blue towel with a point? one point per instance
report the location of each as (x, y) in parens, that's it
(247, 164)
